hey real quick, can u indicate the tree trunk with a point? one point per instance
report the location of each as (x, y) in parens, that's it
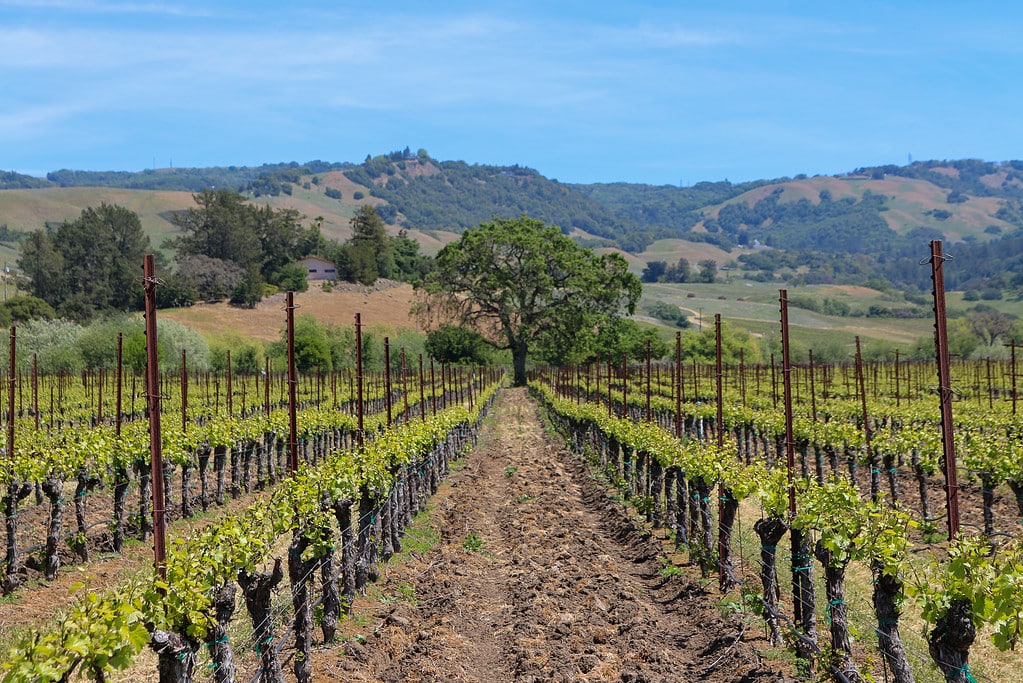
(300, 572)
(204, 478)
(987, 487)
(1017, 492)
(145, 499)
(706, 528)
(366, 554)
(804, 601)
(16, 492)
(519, 351)
(219, 463)
(258, 592)
(186, 496)
(770, 530)
(176, 656)
(85, 484)
(330, 600)
(236, 475)
(120, 494)
(921, 481)
(950, 640)
(220, 649)
(53, 487)
(346, 576)
(834, 590)
(887, 596)
(726, 519)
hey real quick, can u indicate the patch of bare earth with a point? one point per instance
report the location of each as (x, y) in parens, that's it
(540, 575)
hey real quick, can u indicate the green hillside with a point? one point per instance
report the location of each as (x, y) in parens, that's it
(870, 225)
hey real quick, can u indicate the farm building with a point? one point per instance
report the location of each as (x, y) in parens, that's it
(318, 268)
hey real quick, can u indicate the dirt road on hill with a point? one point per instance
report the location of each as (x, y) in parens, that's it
(539, 575)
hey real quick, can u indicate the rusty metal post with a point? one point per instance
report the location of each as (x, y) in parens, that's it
(120, 383)
(813, 390)
(184, 391)
(230, 386)
(99, 397)
(625, 384)
(898, 397)
(1012, 370)
(155, 437)
(649, 414)
(360, 407)
(387, 380)
(422, 389)
(861, 388)
(610, 399)
(433, 389)
(790, 450)
(11, 368)
(742, 375)
(266, 385)
(404, 383)
(723, 580)
(945, 388)
(678, 389)
(289, 307)
(35, 388)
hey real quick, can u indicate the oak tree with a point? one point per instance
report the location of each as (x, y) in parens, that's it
(517, 281)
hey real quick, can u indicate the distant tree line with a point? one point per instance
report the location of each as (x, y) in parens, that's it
(227, 248)
(680, 271)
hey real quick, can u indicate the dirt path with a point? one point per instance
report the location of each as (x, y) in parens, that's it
(540, 576)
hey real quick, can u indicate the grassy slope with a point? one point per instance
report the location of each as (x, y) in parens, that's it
(29, 210)
(909, 200)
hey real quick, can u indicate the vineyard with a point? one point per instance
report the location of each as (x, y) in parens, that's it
(336, 466)
(853, 479)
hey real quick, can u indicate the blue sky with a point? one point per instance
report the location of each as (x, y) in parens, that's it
(650, 91)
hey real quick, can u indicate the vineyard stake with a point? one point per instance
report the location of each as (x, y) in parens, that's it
(35, 388)
(120, 381)
(184, 392)
(422, 390)
(610, 400)
(625, 384)
(945, 388)
(678, 385)
(292, 387)
(802, 579)
(155, 439)
(433, 389)
(649, 415)
(360, 436)
(230, 386)
(723, 581)
(875, 472)
(1013, 371)
(387, 379)
(404, 384)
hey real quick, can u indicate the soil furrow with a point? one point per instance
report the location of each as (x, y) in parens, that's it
(540, 575)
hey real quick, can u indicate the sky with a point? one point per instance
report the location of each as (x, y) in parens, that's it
(660, 92)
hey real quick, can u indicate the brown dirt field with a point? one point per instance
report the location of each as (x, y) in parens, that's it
(563, 584)
(387, 303)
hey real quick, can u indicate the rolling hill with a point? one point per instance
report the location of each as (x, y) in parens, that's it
(866, 225)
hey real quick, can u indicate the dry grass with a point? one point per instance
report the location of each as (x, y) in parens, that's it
(385, 304)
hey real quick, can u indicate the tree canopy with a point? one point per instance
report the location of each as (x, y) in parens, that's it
(88, 265)
(519, 280)
(230, 245)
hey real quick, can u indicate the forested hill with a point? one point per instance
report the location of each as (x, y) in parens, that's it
(870, 218)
